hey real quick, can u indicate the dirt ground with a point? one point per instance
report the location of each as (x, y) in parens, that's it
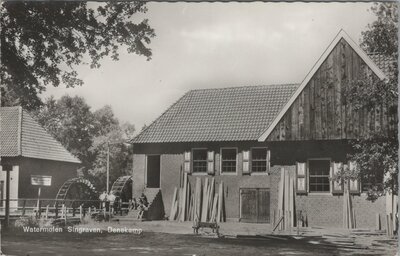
(177, 238)
(365, 242)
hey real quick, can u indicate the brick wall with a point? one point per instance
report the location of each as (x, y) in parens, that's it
(321, 210)
(327, 210)
(138, 174)
(171, 173)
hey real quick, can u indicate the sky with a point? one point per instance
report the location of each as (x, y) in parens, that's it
(211, 45)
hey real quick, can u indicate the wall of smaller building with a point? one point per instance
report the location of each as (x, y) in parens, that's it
(60, 172)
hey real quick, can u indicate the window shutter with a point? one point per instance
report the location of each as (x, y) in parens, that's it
(246, 162)
(337, 186)
(301, 172)
(268, 160)
(354, 185)
(186, 163)
(210, 162)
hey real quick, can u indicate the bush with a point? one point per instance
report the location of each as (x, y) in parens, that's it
(32, 222)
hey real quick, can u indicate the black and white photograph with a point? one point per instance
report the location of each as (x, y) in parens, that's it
(198, 128)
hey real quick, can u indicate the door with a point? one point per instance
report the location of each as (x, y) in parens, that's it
(1, 192)
(153, 171)
(255, 205)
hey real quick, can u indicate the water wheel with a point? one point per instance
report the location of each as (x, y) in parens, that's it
(122, 188)
(77, 191)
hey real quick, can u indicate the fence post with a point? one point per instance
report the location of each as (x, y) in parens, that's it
(47, 212)
(56, 210)
(66, 213)
(23, 207)
(39, 208)
(80, 213)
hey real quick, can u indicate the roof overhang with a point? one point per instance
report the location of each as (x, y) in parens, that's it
(341, 35)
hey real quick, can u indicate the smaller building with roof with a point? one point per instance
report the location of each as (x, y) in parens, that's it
(28, 149)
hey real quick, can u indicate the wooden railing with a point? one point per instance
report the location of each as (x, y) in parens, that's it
(53, 208)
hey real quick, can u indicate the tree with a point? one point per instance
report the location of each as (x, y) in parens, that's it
(86, 133)
(71, 122)
(376, 156)
(120, 154)
(43, 42)
(111, 137)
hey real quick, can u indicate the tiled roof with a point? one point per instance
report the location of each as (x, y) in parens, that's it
(227, 114)
(10, 119)
(22, 136)
(384, 62)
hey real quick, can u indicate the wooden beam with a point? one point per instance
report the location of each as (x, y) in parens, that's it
(198, 198)
(205, 202)
(221, 202)
(172, 211)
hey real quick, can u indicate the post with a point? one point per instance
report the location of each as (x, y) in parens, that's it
(66, 213)
(7, 217)
(47, 212)
(378, 222)
(56, 210)
(23, 207)
(38, 202)
(80, 213)
(1, 253)
(108, 165)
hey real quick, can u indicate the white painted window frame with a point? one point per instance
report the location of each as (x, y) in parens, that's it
(220, 161)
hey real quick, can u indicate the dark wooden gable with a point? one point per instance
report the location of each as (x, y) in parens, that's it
(321, 112)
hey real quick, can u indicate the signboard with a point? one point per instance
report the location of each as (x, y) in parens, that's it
(41, 180)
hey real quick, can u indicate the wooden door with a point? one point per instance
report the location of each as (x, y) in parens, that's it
(248, 201)
(254, 205)
(263, 206)
(153, 171)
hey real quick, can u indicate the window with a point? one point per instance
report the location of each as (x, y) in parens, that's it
(319, 171)
(259, 160)
(199, 160)
(228, 160)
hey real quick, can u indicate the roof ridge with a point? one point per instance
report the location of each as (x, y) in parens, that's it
(241, 87)
(10, 107)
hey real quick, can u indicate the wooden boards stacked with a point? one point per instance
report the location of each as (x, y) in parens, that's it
(349, 216)
(205, 203)
(391, 213)
(286, 216)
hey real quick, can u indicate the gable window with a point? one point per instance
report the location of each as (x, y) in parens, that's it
(228, 160)
(319, 172)
(259, 159)
(199, 160)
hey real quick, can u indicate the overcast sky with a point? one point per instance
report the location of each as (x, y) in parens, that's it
(208, 45)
